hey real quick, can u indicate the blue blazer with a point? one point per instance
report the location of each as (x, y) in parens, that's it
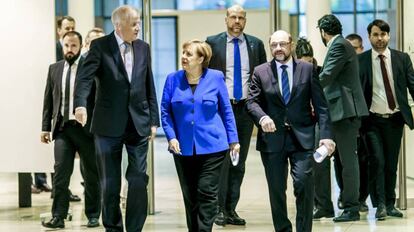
(203, 120)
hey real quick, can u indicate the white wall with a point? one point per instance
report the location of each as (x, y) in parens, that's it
(83, 13)
(27, 48)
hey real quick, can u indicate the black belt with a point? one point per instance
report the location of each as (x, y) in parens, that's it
(237, 102)
(384, 115)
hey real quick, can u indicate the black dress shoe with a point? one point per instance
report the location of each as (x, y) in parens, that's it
(45, 187)
(54, 223)
(93, 222)
(321, 213)
(220, 219)
(74, 198)
(363, 207)
(234, 219)
(381, 213)
(35, 190)
(393, 212)
(347, 216)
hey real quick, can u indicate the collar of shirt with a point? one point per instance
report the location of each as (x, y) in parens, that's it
(289, 63)
(375, 54)
(230, 38)
(331, 41)
(119, 40)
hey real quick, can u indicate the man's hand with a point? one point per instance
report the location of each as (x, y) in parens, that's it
(174, 146)
(329, 143)
(81, 115)
(153, 133)
(267, 124)
(235, 147)
(45, 137)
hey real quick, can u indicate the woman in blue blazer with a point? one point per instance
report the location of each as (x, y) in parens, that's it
(199, 124)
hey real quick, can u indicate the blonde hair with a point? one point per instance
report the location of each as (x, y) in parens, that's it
(202, 49)
(123, 14)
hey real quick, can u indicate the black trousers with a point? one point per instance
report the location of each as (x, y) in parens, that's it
(109, 153)
(40, 179)
(384, 142)
(301, 170)
(231, 177)
(346, 133)
(363, 168)
(199, 176)
(322, 173)
(69, 140)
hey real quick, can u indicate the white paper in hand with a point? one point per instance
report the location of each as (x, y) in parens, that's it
(320, 153)
(234, 158)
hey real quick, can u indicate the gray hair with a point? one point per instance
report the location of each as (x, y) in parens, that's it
(123, 14)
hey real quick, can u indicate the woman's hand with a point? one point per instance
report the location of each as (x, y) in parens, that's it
(174, 146)
(235, 147)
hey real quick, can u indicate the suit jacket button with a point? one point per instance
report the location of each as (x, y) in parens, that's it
(192, 100)
(192, 122)
(192, 111)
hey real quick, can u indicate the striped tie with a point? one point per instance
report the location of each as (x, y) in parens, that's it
(285, 84)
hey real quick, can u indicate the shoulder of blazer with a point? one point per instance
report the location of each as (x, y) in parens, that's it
(251, 38)
(140, 43)
(214, 39)
(59, 64)
(263, 67)
(365, 56)
(401, 55)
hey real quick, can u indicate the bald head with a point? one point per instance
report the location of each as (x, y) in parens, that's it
(280, 44)
(235, 20)
(236, 8)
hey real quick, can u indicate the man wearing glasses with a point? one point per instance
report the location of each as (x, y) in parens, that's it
(279, 101)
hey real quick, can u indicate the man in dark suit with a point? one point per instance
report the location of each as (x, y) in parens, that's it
(386, 75)
(237, 70)
(342, 88)
(279, 101)
(69, 135)
(126, 113)
(64, 24)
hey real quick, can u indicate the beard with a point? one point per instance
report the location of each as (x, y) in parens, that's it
(71, 58)
(281, 57)
(380, 45)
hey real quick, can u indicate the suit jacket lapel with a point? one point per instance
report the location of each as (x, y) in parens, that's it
(297, 70)
(272, 72)
(250, 46)
(137, 60)
(117, 55)
(369, 68)
(394, 65)
(222, 51)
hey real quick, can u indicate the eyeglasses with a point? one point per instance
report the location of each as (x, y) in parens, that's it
(282, 44)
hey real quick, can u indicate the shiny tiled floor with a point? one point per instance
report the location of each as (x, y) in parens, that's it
(169, 215)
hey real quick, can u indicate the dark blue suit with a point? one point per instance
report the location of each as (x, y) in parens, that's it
(123, 115)
(203, 123)
(293, 139)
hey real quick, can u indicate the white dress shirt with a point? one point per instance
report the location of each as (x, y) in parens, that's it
(379, 98)
(74, 69)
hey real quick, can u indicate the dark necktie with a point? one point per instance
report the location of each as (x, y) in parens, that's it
(285, 84)
(388, 91)
(237, 90)
(67, 95)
